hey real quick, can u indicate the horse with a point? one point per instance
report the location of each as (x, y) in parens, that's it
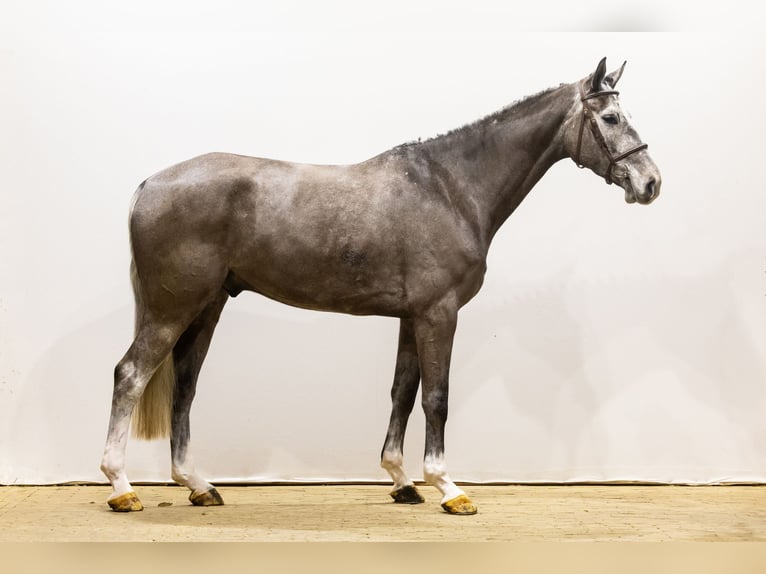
(404, 234)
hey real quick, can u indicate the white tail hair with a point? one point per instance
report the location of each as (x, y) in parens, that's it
(152, 415)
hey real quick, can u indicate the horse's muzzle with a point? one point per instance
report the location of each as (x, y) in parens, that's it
(650, 191)
(644, 191)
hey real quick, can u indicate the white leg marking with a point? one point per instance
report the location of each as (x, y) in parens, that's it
(435, 473)
(113, 463)
(393, 463)
(184, 474)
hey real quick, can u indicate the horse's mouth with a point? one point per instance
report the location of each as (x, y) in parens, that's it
(642, 199)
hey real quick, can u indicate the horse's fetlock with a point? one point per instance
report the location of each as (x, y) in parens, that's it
(390, 460)
(433, 469)
(179, 476)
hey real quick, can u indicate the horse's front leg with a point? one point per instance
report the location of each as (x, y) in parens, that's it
(403, 393)
(434, 333)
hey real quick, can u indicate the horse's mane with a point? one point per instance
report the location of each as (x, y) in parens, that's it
(514, 108)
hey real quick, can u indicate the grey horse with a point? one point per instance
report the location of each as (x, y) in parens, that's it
(404, 234)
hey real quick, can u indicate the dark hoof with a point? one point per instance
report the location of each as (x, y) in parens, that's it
(127, 502)
(460, 505)
(407, 495)
(207, 498)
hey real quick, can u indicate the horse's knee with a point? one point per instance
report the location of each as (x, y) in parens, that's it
(435, 407)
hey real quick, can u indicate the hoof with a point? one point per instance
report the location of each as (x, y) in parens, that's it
(407, 495)
(460, 505)
(127, 502)
(206, 498)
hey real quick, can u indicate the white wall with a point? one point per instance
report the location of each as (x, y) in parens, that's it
(610, 342)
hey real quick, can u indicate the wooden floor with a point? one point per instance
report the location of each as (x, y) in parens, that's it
(353, 513)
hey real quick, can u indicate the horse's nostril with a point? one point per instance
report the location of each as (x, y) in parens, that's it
(649, 189)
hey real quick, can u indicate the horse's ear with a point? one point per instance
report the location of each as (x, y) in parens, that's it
(598, 76)
(612, 79)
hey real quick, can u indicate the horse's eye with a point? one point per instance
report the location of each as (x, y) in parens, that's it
(612, 119)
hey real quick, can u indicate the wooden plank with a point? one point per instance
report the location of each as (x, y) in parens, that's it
(354, 513)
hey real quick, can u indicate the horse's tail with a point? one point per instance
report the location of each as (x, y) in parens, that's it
(153, 412)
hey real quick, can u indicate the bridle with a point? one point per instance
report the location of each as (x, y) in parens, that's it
(587, 113)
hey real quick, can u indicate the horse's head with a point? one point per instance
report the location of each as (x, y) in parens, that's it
(599, 136)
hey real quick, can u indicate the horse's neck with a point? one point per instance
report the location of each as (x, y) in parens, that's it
(495, 162)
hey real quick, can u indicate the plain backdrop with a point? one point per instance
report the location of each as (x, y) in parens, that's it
(610, 341)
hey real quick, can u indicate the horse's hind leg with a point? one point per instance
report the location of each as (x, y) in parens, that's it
(188, 355)
(403, 393)
(152, 344)
(167, 302)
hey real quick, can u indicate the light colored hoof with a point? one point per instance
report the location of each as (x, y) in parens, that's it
(206, 498)
(460, 505)
(127, 502)
(407, 495)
